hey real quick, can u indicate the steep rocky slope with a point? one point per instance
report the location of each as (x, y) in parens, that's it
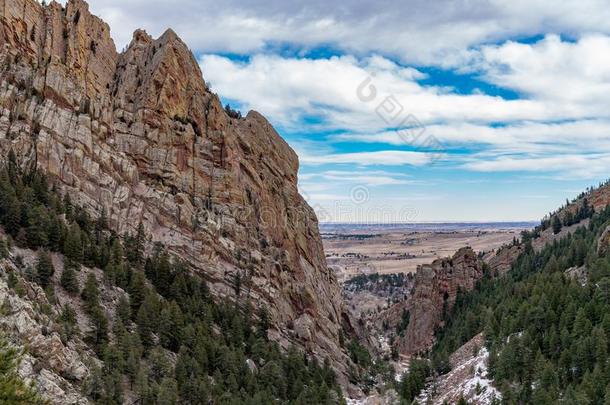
(57, 366)
(434, 292)
(468, 379)
(571, 271)
(582, 233)
(500, 260)
(436, 285)
(140, 136)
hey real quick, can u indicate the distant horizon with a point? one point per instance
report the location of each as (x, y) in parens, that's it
(430, 222)
(430, 226)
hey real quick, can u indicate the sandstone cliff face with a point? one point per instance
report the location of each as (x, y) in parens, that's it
(141, 136)
(435, 290)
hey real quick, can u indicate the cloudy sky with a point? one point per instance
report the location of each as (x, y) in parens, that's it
(411, 110)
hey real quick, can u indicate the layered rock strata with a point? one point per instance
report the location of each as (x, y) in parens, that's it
(139, 136)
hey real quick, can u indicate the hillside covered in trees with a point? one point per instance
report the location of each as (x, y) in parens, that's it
(547, 330)
(168, 341)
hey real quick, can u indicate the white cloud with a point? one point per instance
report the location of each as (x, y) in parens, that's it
(561, 123)
(572, 166)
(586, 136)
(369, 178)
(379, 158)
(553, 70)
(559, 81)
(427, 32)
(328, 89)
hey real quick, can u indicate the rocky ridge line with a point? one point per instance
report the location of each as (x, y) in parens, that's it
(140, 136)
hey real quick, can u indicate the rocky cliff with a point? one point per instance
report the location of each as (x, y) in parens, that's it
(434, 291)
(139, 136)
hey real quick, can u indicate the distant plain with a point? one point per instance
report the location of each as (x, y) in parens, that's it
(353, 249)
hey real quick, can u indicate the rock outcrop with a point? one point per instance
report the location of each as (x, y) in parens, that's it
(56, 367)
(468, 379)
(603, 243)
(578, 273)
(435, 290)
(501, 260)
(140, 136)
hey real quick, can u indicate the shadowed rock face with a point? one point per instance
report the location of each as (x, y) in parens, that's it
(435, 290)
(141, 136)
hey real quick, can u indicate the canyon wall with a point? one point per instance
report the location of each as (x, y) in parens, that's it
(434, 291)
(140, 136)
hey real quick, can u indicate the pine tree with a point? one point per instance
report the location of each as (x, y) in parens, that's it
(137, 291)
(44, 268)
(99, 335)
(170, 324)
(73, 246)
(67, 206)
(160, 367)
(552, 265)
(94, 385)
(68, 280)
(607, 395)
(135, 246)
(102, 223)
(12, 216)
(263, 322)
(168, 392)
(132, 367)
(13, 167)
(3, 249)
(556, 224)
(142, 386)
(36, 231)
(113, 387)
(67, 319)
(113, 359)
(139, 244)
(91, 293)
(147, 319)
(54, 232)
(123, 309)
(13, 390)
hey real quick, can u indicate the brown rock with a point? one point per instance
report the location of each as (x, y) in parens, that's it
(59, 365)
(501, 260)
(435, 290)
(140, 135)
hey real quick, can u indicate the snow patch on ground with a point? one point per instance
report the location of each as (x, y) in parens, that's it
(384, 396)
(479, 387)
(384, 344)
(470, 379)
(402, 368)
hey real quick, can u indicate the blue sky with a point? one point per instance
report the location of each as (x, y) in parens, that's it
(482, 110)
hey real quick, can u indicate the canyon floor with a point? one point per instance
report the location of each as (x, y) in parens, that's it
(367, 249)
